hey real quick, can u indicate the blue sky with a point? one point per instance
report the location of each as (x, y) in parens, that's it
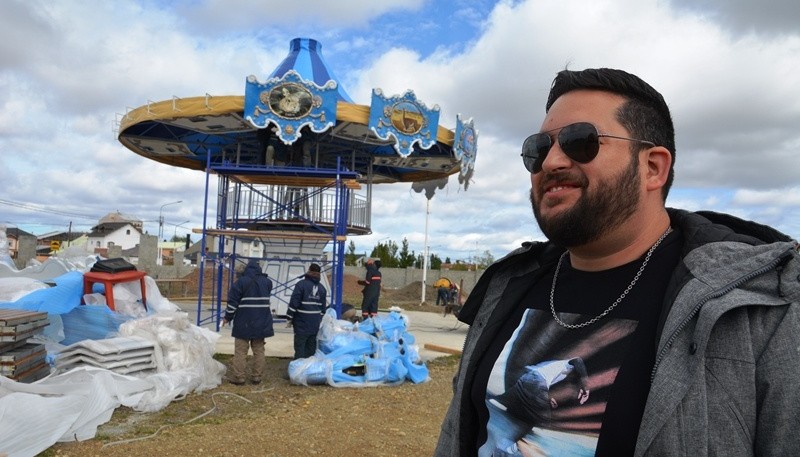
(729, 69)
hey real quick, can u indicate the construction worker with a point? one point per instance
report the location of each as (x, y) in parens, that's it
(249, 310)
(372, 289)
(306, 308)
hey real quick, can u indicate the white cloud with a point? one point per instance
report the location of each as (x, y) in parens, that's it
(743, 17)
(730, 75)
(788, 197)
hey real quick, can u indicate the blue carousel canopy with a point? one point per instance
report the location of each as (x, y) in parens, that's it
(305, 57)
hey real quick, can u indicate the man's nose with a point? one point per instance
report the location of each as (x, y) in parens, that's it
(555, 159)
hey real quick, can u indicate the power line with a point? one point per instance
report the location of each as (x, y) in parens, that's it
(32, 207)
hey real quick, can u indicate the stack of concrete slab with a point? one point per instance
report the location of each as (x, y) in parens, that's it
(123, 355)
(20, 359)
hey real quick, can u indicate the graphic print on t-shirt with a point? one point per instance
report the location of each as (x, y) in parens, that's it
(548, 389)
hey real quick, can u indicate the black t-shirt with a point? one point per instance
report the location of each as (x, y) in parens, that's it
(580, 391)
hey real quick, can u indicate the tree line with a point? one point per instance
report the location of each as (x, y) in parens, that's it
(393, 255)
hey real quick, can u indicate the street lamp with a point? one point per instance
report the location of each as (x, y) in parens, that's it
(175, 233)
(161, 218)
(161, 227)
(172, 241)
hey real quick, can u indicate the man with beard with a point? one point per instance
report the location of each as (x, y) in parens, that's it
(686, 321)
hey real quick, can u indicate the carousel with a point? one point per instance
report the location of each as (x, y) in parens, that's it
(295, 162)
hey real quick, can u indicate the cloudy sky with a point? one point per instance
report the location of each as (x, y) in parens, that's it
(729, 69)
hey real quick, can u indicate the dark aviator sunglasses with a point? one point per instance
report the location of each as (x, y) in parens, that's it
(579, 141)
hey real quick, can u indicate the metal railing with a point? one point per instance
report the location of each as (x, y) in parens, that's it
(276, 203)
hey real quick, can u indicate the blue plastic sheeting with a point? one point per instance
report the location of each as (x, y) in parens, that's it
(91, 323)
(378, 351)
(64, 299)
(60, 299)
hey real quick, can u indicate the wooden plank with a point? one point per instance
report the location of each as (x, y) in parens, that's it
(15, 356)
(24, 364)
(19, 336)
(33, 374)
(24, 327)
(296, 181)
(17, 316)
(446, 350)
(8, 346)
(266, 234)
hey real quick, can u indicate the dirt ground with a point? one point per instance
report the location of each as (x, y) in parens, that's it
(277, 419)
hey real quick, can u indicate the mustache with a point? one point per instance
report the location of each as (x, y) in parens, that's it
(561, 177)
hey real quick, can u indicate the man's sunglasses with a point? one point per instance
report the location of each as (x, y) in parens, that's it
(579, 141)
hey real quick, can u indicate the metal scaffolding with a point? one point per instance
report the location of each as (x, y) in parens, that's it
(294, 223)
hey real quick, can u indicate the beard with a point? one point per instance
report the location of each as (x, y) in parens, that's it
(596, 212)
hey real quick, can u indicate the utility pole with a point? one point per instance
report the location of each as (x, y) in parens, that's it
(426, 249)
(159, 261)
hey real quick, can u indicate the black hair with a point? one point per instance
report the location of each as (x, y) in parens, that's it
(645, 114)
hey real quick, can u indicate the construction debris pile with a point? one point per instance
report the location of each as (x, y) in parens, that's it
(66, 366)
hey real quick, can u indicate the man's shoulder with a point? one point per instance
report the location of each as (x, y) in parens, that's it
(528, 252)
(243, 279)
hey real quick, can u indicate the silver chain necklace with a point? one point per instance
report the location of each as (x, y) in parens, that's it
(616, 302)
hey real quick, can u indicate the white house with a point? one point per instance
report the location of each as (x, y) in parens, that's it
(114, 229)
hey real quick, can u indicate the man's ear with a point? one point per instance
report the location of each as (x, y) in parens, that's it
(658, 161)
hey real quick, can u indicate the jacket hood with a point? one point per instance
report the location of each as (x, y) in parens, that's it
(253, 268)
(705, 255)
(313, 275)
(724, 227)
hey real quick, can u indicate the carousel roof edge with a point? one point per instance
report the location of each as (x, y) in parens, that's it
(182, 107)
(219, 105)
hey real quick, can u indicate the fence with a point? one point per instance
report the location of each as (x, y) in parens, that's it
(393, 278)
(396, 278)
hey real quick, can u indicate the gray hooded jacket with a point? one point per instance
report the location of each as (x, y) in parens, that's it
(726, 379)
